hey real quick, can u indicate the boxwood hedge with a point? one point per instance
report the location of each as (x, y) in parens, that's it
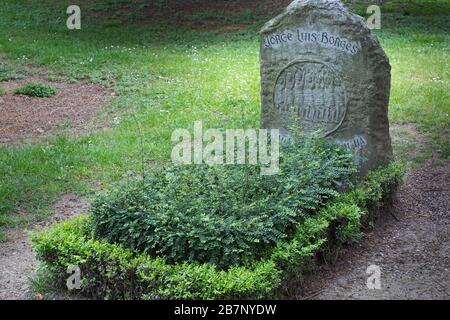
(110, 270)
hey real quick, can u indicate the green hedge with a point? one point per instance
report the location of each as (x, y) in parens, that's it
(111, 271)
(340, 221)
(224, 215)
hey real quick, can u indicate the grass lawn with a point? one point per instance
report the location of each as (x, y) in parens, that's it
(167, 74)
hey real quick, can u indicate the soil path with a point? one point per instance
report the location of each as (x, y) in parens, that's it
(411, 246)
(17, 264)
(17, 260)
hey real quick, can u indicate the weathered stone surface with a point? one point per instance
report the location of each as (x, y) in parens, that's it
(322, 68)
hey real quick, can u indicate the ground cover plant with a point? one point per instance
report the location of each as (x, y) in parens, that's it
(36, 89)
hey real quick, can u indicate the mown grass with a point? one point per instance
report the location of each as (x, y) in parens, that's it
(166, 76)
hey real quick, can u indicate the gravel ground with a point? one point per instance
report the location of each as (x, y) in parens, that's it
(17, 260)
(72, 108)
(411, 245)
(17, 264)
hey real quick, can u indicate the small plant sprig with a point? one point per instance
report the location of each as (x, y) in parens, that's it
(36, 89)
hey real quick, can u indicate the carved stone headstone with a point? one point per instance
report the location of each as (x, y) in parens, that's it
(322, 68)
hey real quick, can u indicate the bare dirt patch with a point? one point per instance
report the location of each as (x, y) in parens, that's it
(72, 109)
(410, 244)
(69, 205)
(17, 260)
(17, 264)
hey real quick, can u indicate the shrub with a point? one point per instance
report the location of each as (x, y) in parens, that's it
(36, 89)
(340, 220)
(2, 91)
(224, 215)
(112, 271)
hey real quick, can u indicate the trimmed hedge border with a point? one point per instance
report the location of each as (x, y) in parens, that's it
(110, 271)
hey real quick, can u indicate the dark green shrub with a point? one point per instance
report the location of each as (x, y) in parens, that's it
(36, 89)
(225, 215)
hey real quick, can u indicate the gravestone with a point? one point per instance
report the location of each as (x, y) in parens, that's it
(323, 69)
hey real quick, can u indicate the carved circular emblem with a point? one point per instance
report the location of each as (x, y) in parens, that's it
(313, 93)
